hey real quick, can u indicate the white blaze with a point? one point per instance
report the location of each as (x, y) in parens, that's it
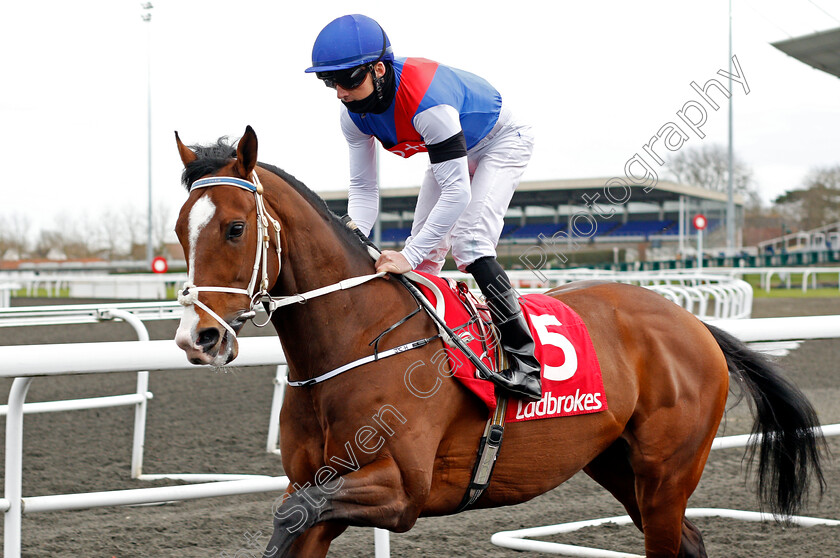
(200, 214)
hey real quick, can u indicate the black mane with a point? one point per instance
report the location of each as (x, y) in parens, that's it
(211, 158)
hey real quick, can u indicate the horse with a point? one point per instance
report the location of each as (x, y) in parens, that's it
(361, 449)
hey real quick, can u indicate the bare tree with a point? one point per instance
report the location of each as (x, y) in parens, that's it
(50, 244)
(133, 223)
(112, 236)
(707, 166)
(817, 203)
(73, 235)
(111, 233)
(164, 223)
(14, 234)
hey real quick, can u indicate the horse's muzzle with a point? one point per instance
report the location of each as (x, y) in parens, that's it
(210, 345)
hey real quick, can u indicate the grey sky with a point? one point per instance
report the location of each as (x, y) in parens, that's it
(596, 79)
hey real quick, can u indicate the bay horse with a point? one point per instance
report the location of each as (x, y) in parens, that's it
(361, 449)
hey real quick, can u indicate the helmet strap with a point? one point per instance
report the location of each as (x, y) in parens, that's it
(382, 96)
(377, 82)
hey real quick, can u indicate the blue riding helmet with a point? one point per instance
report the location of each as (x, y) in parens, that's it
(349, 41)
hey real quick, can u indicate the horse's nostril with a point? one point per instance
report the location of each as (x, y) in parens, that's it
(207, 338)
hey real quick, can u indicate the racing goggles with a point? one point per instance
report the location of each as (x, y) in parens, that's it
(347, 79)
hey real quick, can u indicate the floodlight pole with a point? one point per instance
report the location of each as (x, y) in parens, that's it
(147, 17)
(730, 195)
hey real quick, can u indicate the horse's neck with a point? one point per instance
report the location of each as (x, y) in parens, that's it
(314, 256)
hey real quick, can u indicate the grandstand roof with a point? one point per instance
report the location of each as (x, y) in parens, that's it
(819, 50)
(549, 193)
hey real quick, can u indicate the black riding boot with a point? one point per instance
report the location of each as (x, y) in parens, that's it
(523, 377)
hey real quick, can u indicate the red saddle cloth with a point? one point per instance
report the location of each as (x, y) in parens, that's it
(571, 375)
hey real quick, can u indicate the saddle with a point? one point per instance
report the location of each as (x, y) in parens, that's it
(571, 375)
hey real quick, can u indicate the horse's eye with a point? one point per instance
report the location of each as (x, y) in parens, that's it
(235, 230)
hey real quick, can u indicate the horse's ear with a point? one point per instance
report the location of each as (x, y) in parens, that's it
(187, 154)
(246, 153)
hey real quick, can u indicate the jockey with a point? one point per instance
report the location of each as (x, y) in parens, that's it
(477, 153)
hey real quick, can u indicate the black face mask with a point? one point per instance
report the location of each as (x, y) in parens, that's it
(384, 90)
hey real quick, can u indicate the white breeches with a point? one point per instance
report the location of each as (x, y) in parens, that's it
(496, 164)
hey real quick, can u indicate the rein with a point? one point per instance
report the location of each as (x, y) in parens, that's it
(189, 295)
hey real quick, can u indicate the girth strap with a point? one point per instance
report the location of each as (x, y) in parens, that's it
(485, 461)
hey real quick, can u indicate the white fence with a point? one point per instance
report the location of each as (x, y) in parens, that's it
(521, 539)
(731, 298)
(706, 295)
(806, 274)
(6, 293)
(26, 362)
(156, 286)
(826, 237)
(79, 314)
(143, 286)
(756, 330)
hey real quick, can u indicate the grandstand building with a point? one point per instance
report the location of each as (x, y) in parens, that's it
(581, 221)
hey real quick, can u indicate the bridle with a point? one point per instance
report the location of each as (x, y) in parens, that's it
(188, 296)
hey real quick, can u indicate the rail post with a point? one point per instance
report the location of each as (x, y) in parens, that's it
(14, 468)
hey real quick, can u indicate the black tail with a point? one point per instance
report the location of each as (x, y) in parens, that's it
(789, 453)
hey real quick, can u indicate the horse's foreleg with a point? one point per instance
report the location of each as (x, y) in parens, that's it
(692, 542)
(315, 541)
(374, 496)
